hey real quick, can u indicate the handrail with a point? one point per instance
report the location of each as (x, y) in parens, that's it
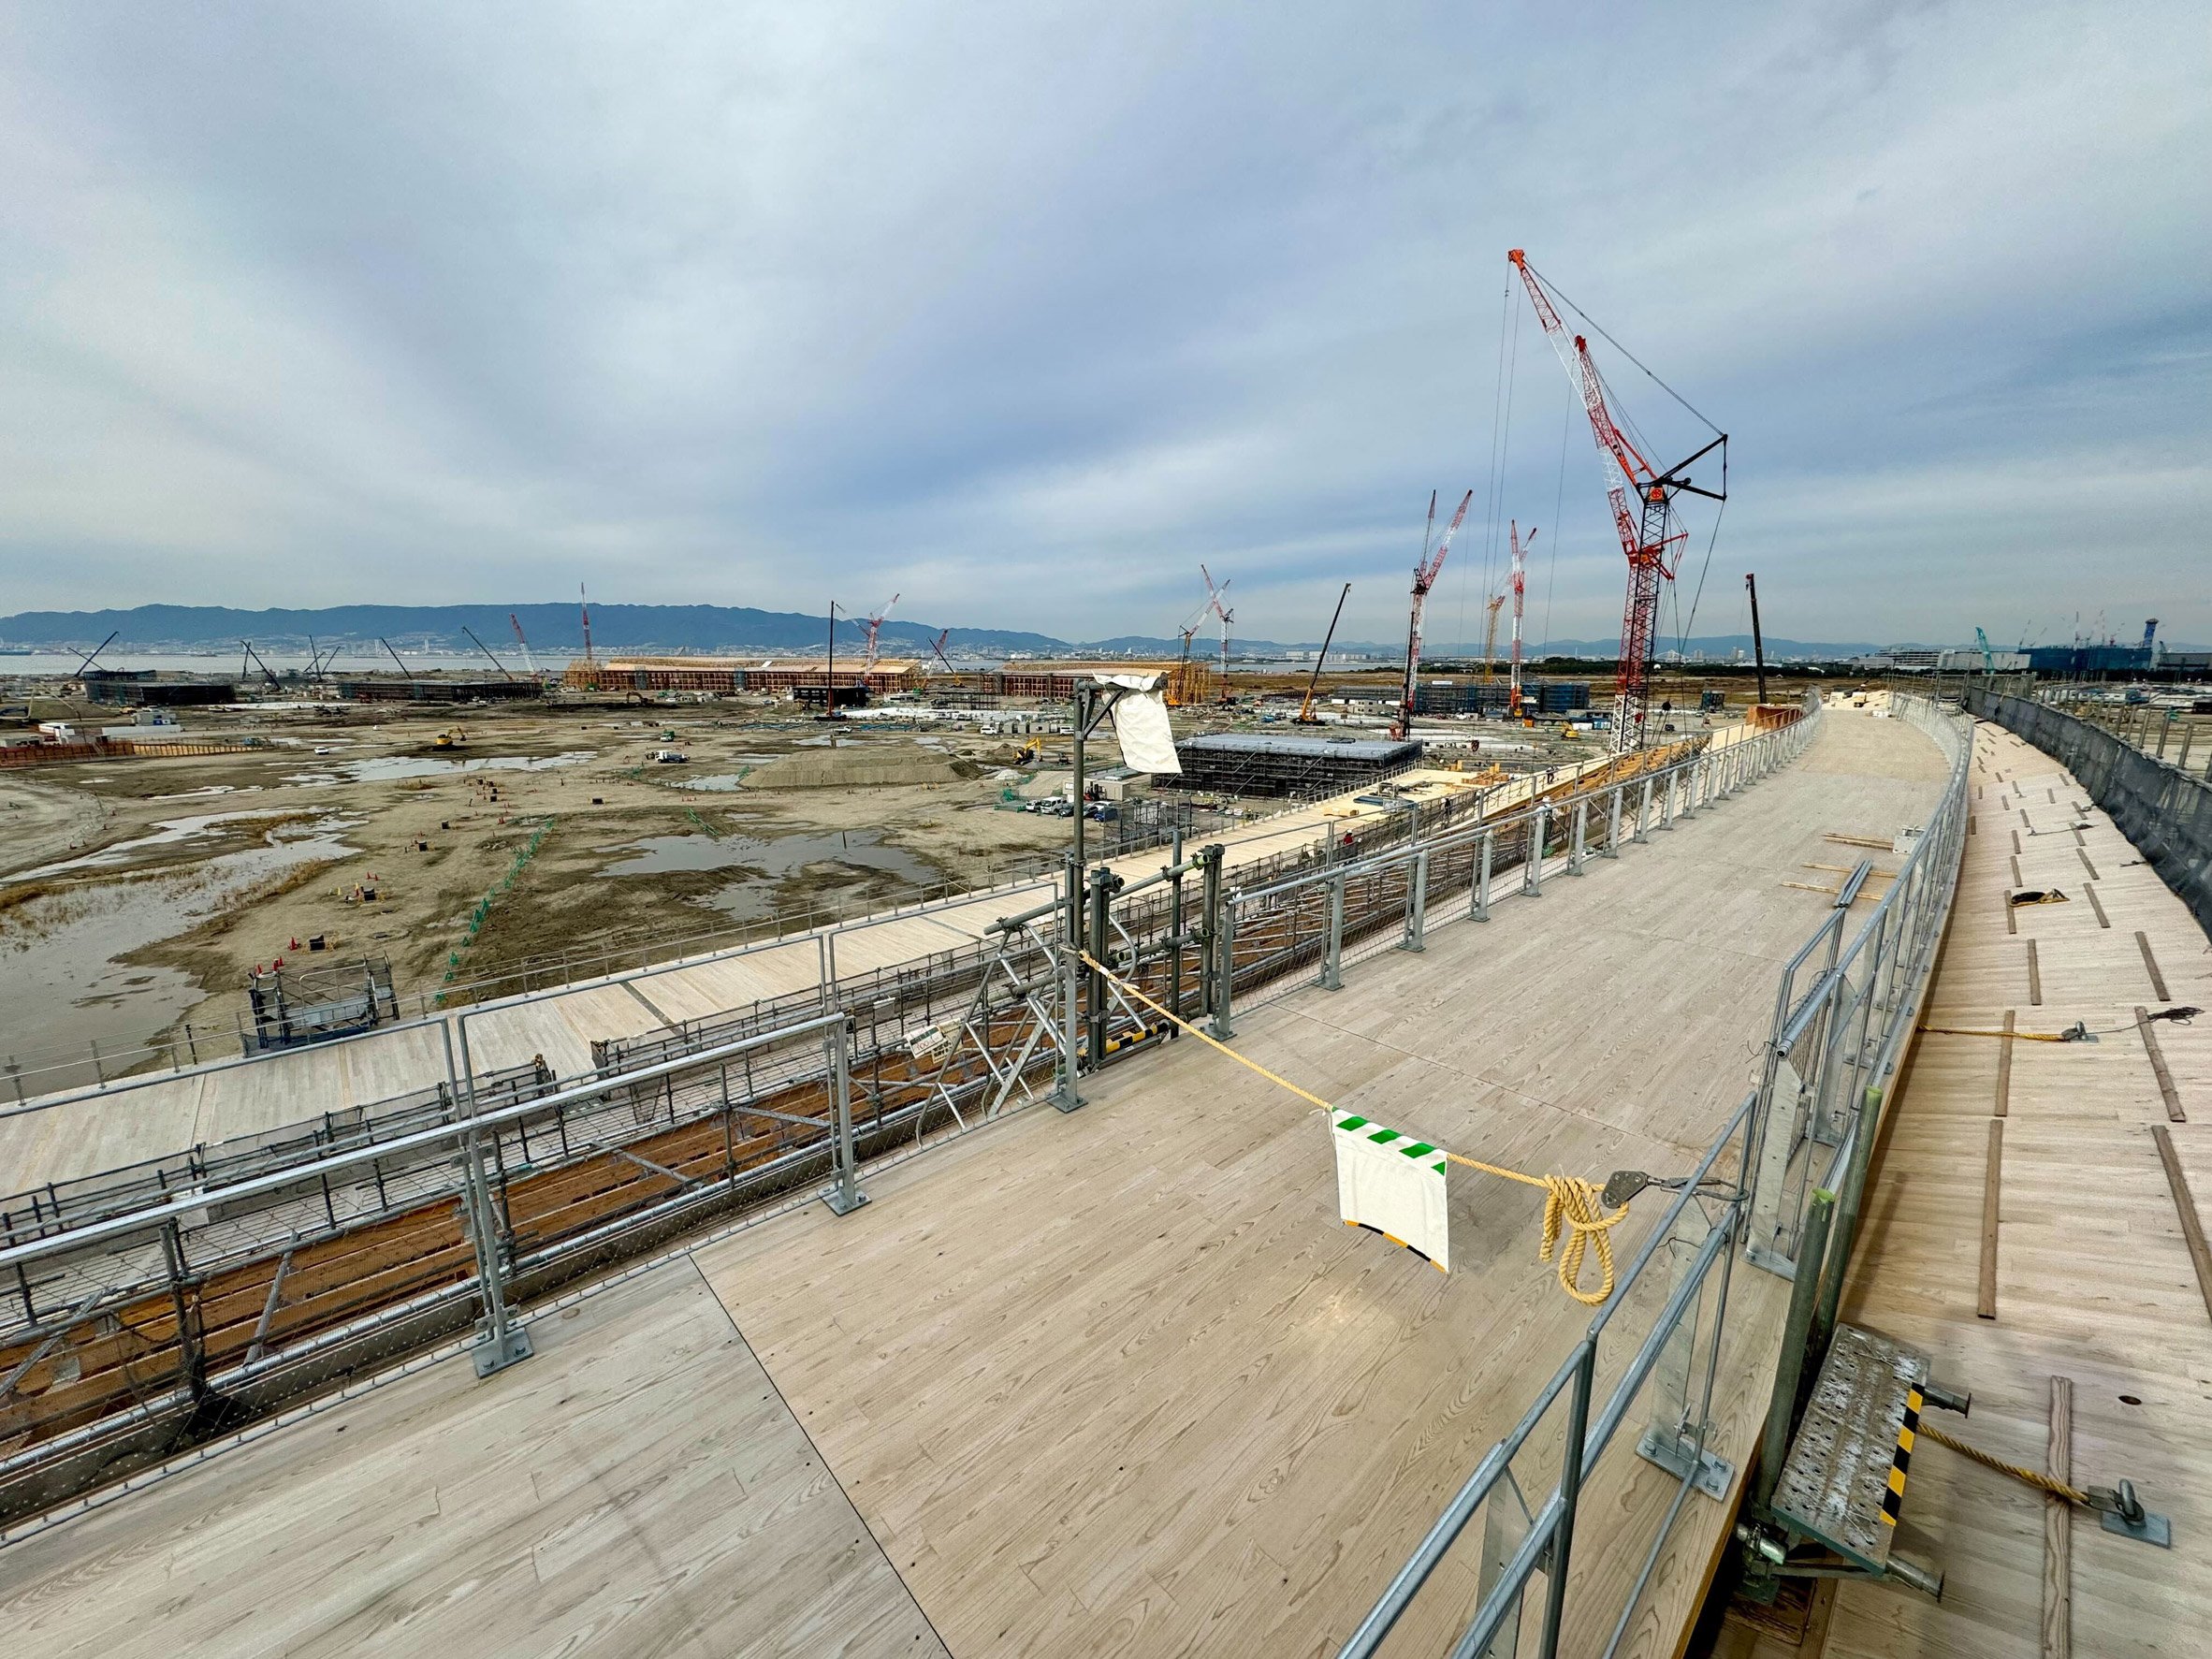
(1896, 950)
(136, 1221)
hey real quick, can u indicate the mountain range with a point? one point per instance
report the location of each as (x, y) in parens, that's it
(554, 628)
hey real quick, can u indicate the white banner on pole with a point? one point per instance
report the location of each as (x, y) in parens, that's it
(1140, 725)
(1391, 1182)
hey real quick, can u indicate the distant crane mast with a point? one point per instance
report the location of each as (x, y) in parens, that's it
(1313, 684)
(873, 625)
(1494, 603)
(1519, 600)
(1213, 598)
(937, 646)
(1647, 537)
(585, 605)
(516, 623)
(1424, 578)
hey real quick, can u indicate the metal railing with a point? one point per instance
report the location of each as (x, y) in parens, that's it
(2156, 801)
(184, 1313)
(1308, 926)
(1859, 1012)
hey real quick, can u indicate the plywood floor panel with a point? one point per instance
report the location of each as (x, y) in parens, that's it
(637, 1487)
(2095, 1282)
(1123, 1377)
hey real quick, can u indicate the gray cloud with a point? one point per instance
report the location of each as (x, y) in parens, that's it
(1024, 314)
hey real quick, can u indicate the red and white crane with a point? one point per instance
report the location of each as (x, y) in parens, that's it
(1520, 597)
(1648, 536)
(1424, 578)
(516, 623)
(1213, 598)
(873, 625)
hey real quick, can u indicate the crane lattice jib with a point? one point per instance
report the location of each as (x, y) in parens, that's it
(1424, 578)
(1645, 543)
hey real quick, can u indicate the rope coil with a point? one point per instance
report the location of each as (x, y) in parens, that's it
(1574, 1209)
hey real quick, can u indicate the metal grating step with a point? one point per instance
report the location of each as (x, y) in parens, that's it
(1844, 1479)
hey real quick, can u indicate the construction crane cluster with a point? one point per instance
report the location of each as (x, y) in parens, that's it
(1649, 536)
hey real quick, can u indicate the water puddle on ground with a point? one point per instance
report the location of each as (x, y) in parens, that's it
(726, 783)
(167, 834)
(386, 768)
(61, 981)
(768, 862)
(208, 791)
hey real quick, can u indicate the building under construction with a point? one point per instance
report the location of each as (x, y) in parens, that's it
(423, 688)
(1274, 763)
(138, 688)
(1055, 682)
(726, 676)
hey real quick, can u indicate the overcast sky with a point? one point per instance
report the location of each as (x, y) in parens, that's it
(1023, 311)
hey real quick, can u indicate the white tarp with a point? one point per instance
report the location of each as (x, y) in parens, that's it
(1140, 725)
(1391, 1182)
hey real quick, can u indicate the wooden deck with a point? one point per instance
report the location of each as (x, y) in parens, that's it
(1114, 1382)
(2089, 1275)
(638, 1488)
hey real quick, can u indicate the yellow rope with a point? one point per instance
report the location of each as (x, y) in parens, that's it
(2023, 1036)
(1572, 1205)
(2035, 1477)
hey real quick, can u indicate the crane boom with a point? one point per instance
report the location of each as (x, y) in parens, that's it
(1305, 710)
(1647, 536)
(1520, 597)
(1424, 578)
(873, 625)
(1213, 598)
(516, 623)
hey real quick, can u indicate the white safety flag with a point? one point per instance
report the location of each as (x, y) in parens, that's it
(1391, 1182)
(1140, 725)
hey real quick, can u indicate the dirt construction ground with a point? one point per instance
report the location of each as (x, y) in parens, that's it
(136, 893)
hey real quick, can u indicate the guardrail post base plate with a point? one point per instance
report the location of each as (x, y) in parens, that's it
(1673, 1454)
(834, 1197)
(496, 1353)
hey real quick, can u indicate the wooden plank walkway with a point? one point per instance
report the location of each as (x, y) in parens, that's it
(2091, 1273)
(1121, 1382)
(1115, 1382)
(638, 1488)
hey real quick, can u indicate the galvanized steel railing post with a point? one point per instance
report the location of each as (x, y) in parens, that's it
(504, 1342)
(1417, 904)
(1225, 966)
(1104, 882)
(1690, 787)
(1666, 799)
(845, 1197)
(1333, 961)
(1797, 1333)
(1613, 831)
(1532, 866)
(1481, 911)
(1643, 813)
(1570, 1493)
(1065, 1095)
(1577, 852)
(1175, 933)
(1209, 921)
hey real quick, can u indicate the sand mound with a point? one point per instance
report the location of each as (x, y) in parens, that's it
(858, 768)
